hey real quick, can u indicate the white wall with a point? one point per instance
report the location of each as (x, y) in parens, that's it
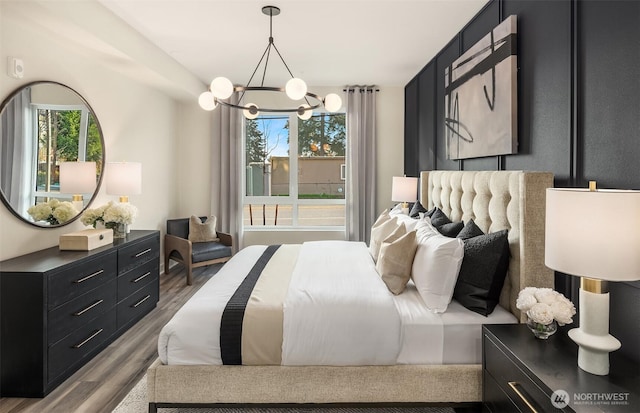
(139, 122)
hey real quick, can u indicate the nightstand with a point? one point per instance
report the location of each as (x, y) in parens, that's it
(521, 374)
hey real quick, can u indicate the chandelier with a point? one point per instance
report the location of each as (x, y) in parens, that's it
(221, 88)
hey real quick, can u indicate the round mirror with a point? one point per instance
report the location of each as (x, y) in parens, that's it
(51, 156)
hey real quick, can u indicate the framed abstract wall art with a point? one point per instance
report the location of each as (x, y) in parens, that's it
(481, 116)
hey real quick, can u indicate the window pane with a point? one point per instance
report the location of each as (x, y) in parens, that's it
(321, 215)
(257, 215)
(321, 156)
(58, 137)
(267, 152)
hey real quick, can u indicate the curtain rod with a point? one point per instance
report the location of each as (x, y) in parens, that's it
(361, 89)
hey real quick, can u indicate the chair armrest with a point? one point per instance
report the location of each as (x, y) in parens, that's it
(225, 239)
(181, 245)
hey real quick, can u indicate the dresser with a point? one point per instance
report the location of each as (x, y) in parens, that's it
(60, 308)
(524, 374)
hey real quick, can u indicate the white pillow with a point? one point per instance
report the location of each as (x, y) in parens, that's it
(410, 223)
(396, 210)
(436, 266)
(379, 232)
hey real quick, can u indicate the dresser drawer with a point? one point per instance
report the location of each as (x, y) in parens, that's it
(72, 349)
(496, 400)
(132, 256)
(77, 312)
(513, 382)
(133, 280)
(84, 277)
(138, 304)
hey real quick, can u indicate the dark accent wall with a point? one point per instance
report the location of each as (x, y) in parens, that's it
(578, 110)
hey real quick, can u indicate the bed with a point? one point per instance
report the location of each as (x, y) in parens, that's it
(495, 200)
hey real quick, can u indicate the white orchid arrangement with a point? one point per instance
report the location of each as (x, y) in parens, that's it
(543, 305)
(110, 214)
(54, 211)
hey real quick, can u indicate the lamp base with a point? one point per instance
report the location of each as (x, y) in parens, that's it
(405, 208)
(593, 338)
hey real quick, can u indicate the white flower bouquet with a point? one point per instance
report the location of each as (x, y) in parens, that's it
(543, 305)
(55, 212)
(110, 214)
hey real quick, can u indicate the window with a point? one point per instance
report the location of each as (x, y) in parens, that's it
(307, 190)
(65, 133)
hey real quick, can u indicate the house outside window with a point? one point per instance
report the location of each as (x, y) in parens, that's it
(303, 191)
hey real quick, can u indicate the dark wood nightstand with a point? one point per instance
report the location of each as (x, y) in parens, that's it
(521, 374)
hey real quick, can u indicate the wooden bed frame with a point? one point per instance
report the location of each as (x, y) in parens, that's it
(496, 200)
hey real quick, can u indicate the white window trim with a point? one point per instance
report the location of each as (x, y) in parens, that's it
(292, 199)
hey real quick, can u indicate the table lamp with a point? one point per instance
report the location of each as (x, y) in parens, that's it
(77, 178)
(581, 241)
(124, 179)
(404, 189)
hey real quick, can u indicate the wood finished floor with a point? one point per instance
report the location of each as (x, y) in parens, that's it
(103, 382)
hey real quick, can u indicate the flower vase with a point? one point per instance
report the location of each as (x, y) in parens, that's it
(542, 331)
(119, 230)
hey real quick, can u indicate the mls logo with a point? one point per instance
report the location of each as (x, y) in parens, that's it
(560, 399)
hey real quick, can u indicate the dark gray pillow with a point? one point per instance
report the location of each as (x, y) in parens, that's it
(443, 224)
(470, 230)
(482, 273)
(451, 229)
(439, 218)
(416, 210)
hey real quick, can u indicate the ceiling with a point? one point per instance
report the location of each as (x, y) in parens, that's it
(326, 43)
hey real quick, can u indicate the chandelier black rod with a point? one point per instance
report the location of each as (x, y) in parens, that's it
(256, 69)
(266, 63)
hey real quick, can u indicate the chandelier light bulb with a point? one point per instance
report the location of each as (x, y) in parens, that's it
(207, 101)
(304, 112)
(251, 111)
(332, 102)
(221, 87)
(296, 88)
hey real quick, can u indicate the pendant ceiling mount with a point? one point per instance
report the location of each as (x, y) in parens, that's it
(222, 88)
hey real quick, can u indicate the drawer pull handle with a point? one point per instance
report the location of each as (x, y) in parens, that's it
(88, 308)
(141, 277)
(140, 254)
(141, 301)
(89, 339)
(513, 385)
(83, 279)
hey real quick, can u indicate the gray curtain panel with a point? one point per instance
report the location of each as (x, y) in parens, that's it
(18, 157)
(361, 161)
(225, 168)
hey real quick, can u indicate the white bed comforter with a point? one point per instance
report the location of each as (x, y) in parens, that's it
(337, 311)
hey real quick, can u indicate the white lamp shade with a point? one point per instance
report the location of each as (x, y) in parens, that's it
(404, 189)
(124, 178)
(296, 88)
(332, 102)
(594, 234)
(221, 87)
(77, 177)
(206, 101)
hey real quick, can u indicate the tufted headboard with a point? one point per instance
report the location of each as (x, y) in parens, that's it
(496, 200)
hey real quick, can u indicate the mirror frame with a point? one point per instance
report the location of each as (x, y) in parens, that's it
(5, 201)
